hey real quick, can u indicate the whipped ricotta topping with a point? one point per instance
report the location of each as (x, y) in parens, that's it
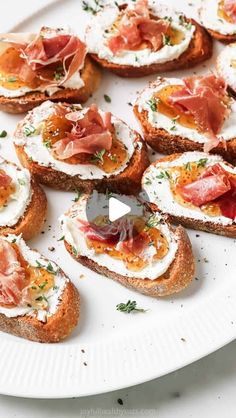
(209, 18)
(225, 67)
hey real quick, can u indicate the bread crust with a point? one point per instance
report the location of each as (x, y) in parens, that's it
(219, 229)
(177, 277)
(32, 220)
(127, 182)
(226, 39)
(200, 49)
(91, 76)
(57, 327)
(161, 141)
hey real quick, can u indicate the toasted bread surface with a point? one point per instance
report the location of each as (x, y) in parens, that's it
(128, 181)
(91, 76)
(161, 141)
(177, 277)
(215, 228)
(200, 49)
(32, 220)
(57, 327)
(226, 39)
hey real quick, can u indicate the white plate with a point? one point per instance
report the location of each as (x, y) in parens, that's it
(111, 350)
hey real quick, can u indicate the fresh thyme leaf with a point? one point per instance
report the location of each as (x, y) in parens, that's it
(3, 134)
(188, 166)
(47, 144)
(202, 162)
(152, 222)
(49, 267)
(62, 238)
(98, 156)
(12, 79)
(107, 98)
(113, 158)
(74, 251)
(173, 128)
(41, 298)
(166, 39)
(163, 175)
(14, 240)
(78, 196)
(168, 18)
(184, 23)
(130, 306)
(148, 182)
(153, 104)
(42, 285)
(29, 130)
(21, 182)
(87, 7)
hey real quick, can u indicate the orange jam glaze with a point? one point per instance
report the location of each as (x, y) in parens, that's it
(132, 262)
(6, 192)
(180, 176)
(38, 281)
(164, 107)
(10, 65)
(222, 14)
(56, 127)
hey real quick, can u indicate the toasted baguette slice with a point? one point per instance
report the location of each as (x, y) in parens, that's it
(90, 75)
(226, 39)
(169, 141)
(214, 19)
(178, 268)
(24, 211)
(128, 180)
(189, 215)
(196, 48)
(41, 325)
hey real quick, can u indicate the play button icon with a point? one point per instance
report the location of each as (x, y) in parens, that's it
(117, 209)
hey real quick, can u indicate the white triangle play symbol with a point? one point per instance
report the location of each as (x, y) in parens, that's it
(117, 209)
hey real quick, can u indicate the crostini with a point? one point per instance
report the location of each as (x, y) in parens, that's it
(140, 251)
(146, 37)
(23, 203)
(37, 301)
(51, 63)
(196, 189)
(192, 114)
(70, 148)
(226, 66)
(219, 18)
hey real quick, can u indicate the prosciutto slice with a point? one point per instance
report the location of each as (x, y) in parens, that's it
(91, 133)
(205, 99)
(12, 275)
(135, 27)
(214, 185)
(48, 47)
(230, 9)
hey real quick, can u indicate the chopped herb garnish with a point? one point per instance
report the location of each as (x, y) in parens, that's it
(163, 175)
(166, 39)
(184, 23)
(41, 298)
(14, 240)
(153, 104)
(151, 243)
(188, 166)
(92, 9)
(21, 182)
(12, 79)
(42, 285)
(49, 267)
(107, 98)
(98, 156)
(3, 134)
(108, 194)
(113, 158)
(29, 130)
(48, 144)
(168, 18)
(78, 196)
(74, 251)
(152, 222)
(130, 306)
(173, 128)
(148, 182)
(55, 287)
(62, 238)
(202, 162)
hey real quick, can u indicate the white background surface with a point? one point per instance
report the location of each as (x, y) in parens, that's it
(206, 388)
